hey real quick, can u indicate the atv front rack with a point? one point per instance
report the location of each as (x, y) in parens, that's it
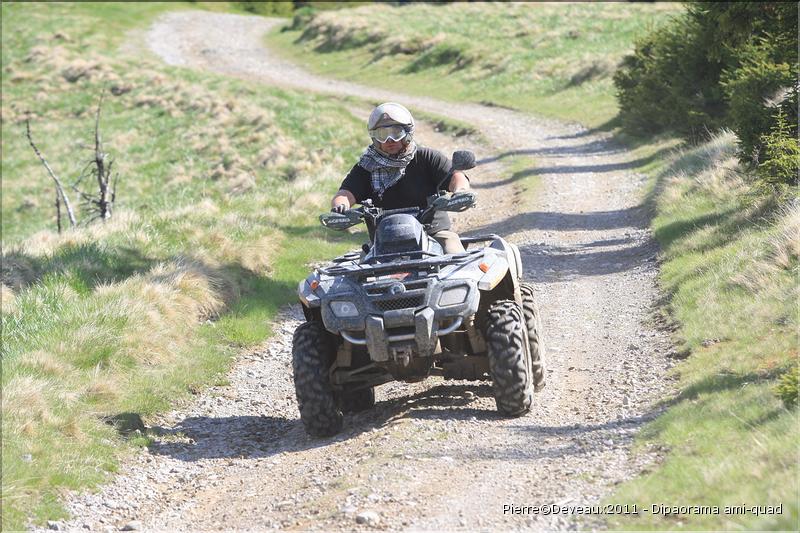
(437, 262)
(478, 238)
(464, 240)
(396, 255)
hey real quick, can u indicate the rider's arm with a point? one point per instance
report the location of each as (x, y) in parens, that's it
(353, 189)
(343, 197)
(459, 182)
(440, 170)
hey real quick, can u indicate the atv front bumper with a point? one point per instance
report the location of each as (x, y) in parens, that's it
(398, 332)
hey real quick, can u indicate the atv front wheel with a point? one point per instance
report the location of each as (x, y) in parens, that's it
(312, 354)
(509, 358)
(533, 323)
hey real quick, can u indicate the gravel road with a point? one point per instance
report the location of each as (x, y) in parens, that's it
(432, 455)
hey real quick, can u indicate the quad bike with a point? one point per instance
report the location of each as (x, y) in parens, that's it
(401, 309)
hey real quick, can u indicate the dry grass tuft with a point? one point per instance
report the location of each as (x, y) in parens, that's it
(723, 178)
(200, 290)
(46, 242)
(45, 363)
(242, 183)
(7, 299)
(100, 389)
(205, 207)
(256, 256)
(782, 253)
(785, 244)
(71, 428)
(25, 401)
(80, 68)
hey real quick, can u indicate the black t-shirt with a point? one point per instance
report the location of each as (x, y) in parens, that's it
(428, 168)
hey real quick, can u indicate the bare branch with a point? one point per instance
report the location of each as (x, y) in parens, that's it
(58, 212)
(85, 171)
(103, 172)
(92, 219)
(114, 188)
(59, 187)
(97, 123)
(86, 197)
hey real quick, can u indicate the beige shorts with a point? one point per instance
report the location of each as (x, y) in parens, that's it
(449, 241)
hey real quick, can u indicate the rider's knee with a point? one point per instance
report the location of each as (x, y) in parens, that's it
(450, 241)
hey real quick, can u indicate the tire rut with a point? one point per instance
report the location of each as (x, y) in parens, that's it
(434, 454)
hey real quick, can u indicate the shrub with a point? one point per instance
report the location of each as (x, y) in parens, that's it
(302, 16)
(781, 153)
(760, 83)
(268, 9)
(668, 83)
(787, 389)
(722, 64)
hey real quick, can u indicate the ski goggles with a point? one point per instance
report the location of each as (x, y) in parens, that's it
(386, 133)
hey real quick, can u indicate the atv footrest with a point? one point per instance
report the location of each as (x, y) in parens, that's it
(472, 368)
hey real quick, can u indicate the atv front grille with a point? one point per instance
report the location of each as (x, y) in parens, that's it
(404, 302)
(375, 289)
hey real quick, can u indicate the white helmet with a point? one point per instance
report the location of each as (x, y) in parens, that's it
(390, 121)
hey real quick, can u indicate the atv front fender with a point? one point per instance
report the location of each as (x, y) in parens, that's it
(494, 275)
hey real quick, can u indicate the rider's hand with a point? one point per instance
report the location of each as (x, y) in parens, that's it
(339, 208)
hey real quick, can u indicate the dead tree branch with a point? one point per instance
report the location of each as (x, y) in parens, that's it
(59, 188)
(102, 171)
(58, 212)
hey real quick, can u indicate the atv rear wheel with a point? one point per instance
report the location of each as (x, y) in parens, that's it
(509, 358)
(533, 323)
(312, 354)
(357, 401)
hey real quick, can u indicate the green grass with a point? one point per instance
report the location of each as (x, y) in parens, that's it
(214, 225)
(551, 59)
(730, 272)
(447, 125)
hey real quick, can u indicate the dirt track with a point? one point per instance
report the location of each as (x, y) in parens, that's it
(432, 455)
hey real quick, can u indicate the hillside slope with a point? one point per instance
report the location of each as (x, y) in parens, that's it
(553, 59)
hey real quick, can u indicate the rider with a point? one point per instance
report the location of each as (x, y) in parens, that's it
(395, 172)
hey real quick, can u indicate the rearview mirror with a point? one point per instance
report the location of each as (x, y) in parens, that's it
(463, 160)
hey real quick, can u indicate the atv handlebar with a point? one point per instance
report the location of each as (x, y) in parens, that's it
(443, 201)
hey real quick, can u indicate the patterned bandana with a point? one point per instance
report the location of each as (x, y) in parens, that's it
(386, 170)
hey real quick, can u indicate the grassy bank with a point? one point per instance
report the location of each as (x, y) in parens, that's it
(219, 185)
(551, 59)
(730, 275)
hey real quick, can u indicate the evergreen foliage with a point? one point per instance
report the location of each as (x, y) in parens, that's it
(724, 64)
(787, 387)
(781, 153)
(268, 9)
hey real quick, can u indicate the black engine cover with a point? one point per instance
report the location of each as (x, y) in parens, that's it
(399, 233)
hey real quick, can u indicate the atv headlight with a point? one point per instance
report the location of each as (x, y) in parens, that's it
(344, 309)
(453, 295)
